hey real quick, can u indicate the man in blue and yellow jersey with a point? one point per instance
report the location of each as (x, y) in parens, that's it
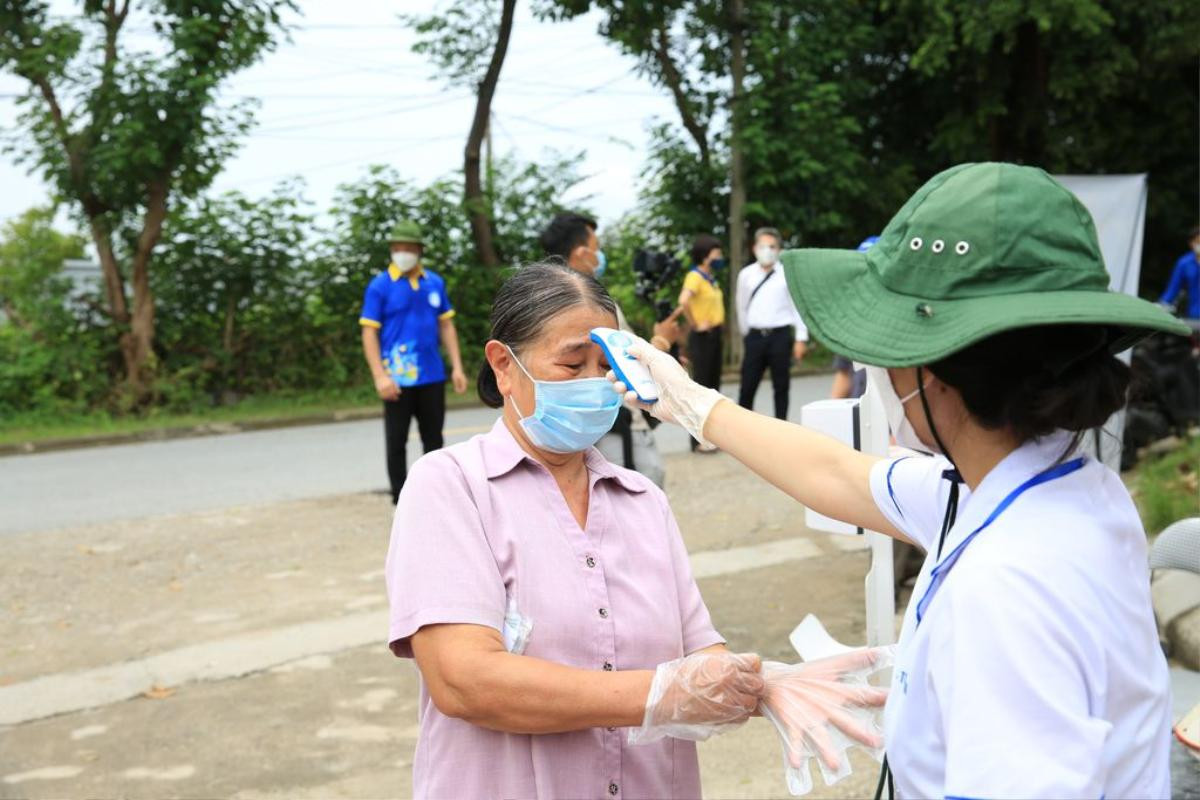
(406, 316)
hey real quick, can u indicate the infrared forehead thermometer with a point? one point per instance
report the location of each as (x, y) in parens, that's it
(628, 369)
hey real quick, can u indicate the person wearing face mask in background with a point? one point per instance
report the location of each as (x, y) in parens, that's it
(1029, 663)
(703, 304)
(406, 315)
(771, 327)
(572, 239)
(1185, 278)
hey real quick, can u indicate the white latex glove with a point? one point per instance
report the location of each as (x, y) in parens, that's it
(680, 399)
(822, 708)
(702, 694)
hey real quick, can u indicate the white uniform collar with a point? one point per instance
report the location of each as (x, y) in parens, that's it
(1014, 469)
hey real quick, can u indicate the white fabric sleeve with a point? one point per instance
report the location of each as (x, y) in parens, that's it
(801, 328)
(743, 301)
(912, 494)
(1011, 663)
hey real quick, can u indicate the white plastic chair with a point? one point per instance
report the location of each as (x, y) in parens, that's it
(1178, 546)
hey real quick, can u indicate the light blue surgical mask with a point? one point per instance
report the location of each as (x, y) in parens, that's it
(568, 416)
(601, 265)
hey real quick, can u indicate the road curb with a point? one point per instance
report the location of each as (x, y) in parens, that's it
(187, 431)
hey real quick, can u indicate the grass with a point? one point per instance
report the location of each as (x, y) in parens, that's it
(1166, 486)
(39, 428)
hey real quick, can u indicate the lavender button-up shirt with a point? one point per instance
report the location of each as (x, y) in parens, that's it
(480, 523)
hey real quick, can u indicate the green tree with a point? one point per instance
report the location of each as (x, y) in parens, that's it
(53, 352)
(469, 40)
(1074, 86)
(121, 132)
(232, 297)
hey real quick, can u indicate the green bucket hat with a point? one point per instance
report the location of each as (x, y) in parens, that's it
(979, 249)
(406, 231)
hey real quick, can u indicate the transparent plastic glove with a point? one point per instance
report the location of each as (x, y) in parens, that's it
(700, 695)
(821, 709)
(680, 399)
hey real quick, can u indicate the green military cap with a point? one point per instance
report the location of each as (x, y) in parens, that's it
(979, 249)
(406, 231)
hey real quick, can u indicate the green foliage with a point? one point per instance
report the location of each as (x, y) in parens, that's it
(53, 356)
(231, 296)
(458, 39)
(252, 299)
(119, 132)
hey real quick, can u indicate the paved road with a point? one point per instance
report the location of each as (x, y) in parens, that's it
(57, 489)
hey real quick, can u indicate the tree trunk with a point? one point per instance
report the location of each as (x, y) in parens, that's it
(138, 343)
(737, 176)
(477, 204)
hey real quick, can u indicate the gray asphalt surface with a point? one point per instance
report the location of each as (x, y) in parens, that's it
(57, 489)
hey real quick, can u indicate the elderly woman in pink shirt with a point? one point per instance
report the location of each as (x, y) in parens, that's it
(540, 587)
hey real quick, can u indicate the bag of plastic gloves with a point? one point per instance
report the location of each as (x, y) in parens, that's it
(700, 695)
(821, 709)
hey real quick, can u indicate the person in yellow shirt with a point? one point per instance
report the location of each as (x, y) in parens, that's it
(703, 303)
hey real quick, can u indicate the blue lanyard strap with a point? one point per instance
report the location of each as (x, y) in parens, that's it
(938, 576)
(712, 279)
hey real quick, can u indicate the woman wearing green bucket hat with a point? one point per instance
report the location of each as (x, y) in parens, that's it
(1029, 662)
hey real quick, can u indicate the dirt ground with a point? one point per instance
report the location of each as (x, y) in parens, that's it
(336, 724)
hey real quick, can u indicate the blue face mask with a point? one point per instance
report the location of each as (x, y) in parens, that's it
(569, 416)
(601, 265)
(717, 264)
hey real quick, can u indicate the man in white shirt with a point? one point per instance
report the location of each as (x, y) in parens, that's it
(773, 332)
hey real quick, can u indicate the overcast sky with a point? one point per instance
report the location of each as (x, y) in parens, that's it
(348, 92)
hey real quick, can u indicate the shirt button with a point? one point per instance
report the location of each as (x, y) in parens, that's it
(613, 788)
(608, 667)
(604, 613)
(591, 562)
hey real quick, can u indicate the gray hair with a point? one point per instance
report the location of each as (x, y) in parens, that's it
(769, 232)
(526, 302)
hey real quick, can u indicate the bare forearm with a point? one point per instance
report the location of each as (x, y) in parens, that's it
(817, 470)
(370, 343)
(449, 335)
(519, 694)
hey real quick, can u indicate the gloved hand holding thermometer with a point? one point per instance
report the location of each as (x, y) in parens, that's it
(679, 399)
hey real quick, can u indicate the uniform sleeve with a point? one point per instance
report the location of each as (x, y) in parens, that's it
(912, 494)
(696, 624)
(440, 567)
(445, 309)
(1176, 283)
(1010, 667)
(372, 310)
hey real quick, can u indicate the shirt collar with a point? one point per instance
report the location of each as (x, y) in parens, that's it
(414, 275)
(502, 454)
(1034, 456)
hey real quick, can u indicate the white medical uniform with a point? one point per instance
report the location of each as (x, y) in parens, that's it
(1035, 669)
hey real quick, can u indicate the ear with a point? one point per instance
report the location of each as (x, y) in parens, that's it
(501, 362)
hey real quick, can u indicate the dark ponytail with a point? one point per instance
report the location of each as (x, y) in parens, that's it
(1034, 381)
(526, 302)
